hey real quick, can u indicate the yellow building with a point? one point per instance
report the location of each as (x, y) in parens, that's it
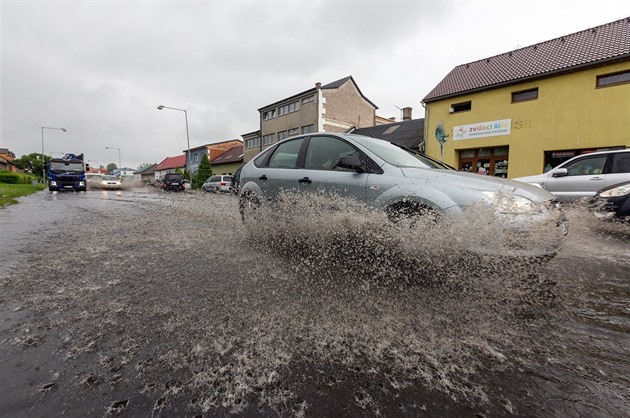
(522, 112)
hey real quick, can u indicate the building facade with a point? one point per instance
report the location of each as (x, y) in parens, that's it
(212, 151)
(525, 111)
(335, 107)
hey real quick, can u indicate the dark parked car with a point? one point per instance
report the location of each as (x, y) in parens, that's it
(236, 180)
(174, 182)
(613, 202)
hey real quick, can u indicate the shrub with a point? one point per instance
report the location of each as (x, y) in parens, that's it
(9, 177)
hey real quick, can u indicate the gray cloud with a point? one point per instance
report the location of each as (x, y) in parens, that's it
(100, 69)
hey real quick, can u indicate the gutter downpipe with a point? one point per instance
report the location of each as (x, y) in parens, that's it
(426, 126)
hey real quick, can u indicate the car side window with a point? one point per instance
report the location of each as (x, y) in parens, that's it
(286, 154)
(324, 152)
(621, 163)
(587, 166)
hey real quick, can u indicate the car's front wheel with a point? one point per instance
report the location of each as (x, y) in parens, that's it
(412, 214)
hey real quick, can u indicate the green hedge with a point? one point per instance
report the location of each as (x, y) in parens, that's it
(8, 177)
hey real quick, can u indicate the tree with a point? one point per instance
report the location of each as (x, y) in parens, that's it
(111, 167)
(31, 163)
(203, 172)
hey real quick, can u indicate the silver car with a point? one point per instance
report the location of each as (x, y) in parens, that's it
(218, 184)
(582, 176)
(401, 183)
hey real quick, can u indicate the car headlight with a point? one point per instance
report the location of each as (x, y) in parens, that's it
(616, 191)
(53, 183)
(510, 204)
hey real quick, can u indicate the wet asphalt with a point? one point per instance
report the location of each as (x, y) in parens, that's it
(142, 303)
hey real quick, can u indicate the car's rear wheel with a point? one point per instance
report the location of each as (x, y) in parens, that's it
(248, 203)
(412, 214)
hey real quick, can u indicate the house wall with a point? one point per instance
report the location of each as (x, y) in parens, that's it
(346, 108)
(570, 113)
(228, 168)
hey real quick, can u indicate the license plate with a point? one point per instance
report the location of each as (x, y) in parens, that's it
(175, 184)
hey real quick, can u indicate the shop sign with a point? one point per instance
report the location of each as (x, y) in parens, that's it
(562, 154)
(483, 129)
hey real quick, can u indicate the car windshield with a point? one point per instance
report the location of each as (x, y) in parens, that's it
(398, 156)
(110, 178)
(65, 166)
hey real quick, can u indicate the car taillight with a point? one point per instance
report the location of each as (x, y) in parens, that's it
(223, 183)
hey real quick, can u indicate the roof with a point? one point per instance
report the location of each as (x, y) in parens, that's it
(233, 155)
(334, 85)
(408, 133)
(146, 170)
(595, 46)
(172, 162)
(213, 144)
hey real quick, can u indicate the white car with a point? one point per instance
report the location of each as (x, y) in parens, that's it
(582, 176)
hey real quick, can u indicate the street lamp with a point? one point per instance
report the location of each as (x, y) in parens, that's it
(119, 163)
(160, 107)
(43, 163)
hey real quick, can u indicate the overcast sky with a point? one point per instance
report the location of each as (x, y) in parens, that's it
(101, 68)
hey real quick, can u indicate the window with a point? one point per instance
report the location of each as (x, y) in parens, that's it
(621, 163)
(525, 95)
(293, 131)
(587, 166)
(269, 139)
(286, 155)
(252, 143)
(282, 135)
(308, 99)
(613, 79)
(461, 107)
(324, 152)
(291, 107)
(270, 114)
(308, 129)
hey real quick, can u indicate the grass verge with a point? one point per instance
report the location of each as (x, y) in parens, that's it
(10, 192)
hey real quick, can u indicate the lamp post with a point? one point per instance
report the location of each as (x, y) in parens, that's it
(119, 163)
(43, 162)
(160, 107)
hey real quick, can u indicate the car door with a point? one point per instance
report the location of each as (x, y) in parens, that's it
(584, 177)
(280, 171)
(619, 168)
(321, 174)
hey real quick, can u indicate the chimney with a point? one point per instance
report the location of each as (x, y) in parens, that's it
(406, 113)
(318, 85)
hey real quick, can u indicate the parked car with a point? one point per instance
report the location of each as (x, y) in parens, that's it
(613, 202)
(173, 182)
(582, 176)
(235, 186)
(402, 183)
(110, 182)
(218, 184)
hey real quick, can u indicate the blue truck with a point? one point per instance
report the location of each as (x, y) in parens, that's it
(67, 173)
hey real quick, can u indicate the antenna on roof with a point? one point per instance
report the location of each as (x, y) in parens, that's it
(401, 111)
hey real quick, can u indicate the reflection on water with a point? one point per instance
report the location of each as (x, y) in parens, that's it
(179, 302)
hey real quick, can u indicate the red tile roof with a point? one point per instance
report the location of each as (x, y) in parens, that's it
(594, 46)
(172, 162)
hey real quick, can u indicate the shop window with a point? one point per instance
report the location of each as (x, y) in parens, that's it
(524, 95)
(485, 161)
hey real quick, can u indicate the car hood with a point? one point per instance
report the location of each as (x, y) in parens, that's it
(478, 182)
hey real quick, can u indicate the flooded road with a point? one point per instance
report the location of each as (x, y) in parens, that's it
(140, 303)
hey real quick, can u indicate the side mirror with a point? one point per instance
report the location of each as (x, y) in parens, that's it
(351, 162)
(87, 167)
(559, 172)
